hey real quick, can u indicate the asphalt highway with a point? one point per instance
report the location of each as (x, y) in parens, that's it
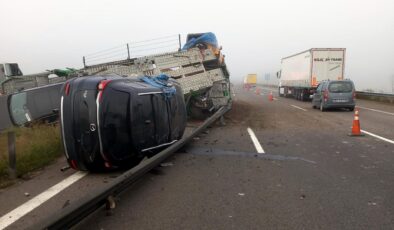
(274, 165)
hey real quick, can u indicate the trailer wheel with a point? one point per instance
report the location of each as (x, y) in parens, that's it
(280, 95)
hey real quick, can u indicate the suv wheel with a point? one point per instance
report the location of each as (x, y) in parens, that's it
(322, 106)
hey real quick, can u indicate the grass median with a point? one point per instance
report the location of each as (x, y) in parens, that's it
(36, 147)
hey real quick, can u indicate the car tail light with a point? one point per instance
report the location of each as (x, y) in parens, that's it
(73, 164)
(354, 95)
(67, 88)
(325, 95)
(101, 86)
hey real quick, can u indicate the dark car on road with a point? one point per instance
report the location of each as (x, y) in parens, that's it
(110, 122)
(334, 94)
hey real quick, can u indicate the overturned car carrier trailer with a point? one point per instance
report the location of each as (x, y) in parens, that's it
(199, 68)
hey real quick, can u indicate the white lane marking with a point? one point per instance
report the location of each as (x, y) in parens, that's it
(255, 141)
(375, 110)
(379, 137)
(275, 99)
(36, 201)
(299, 108)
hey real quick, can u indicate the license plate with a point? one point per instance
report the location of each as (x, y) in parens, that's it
(340, 100)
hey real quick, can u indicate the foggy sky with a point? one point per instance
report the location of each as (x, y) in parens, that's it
(255, 35)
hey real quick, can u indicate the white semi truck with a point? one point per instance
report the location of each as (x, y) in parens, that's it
(301, 73)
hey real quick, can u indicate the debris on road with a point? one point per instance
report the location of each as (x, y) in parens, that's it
(372, 203)
(67, 203)
(167, 164)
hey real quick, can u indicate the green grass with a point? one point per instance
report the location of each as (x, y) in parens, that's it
(36, 147)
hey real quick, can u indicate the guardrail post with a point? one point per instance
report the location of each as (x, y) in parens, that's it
(11, 154)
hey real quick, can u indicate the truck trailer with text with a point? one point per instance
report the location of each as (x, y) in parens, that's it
(301, 73)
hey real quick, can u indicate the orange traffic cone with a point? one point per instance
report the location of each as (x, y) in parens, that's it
(270, 97)
(356, 129)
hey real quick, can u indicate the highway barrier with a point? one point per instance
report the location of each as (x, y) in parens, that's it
(382, 97)
(71, 215)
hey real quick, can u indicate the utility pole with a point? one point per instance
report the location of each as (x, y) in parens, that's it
(179, 40)
(128, 51)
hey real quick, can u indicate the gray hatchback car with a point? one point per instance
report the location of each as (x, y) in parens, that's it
(334, 94)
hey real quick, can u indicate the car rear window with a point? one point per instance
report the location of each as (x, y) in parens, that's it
(116, 123)
(340, 87)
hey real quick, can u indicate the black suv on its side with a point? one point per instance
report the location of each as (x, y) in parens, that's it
(110, 122)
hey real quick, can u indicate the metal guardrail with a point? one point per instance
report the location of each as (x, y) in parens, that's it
(382, 97)
(77, 211)
(374, 94)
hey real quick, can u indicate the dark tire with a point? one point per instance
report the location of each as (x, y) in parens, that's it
(314, 106)
(351, 109)
(302, 96)
(285, 92)
(280, 95)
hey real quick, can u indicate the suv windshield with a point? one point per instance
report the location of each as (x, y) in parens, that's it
(18, 109)
(340, 87)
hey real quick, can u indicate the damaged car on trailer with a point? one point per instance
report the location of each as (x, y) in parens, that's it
(111, 122)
